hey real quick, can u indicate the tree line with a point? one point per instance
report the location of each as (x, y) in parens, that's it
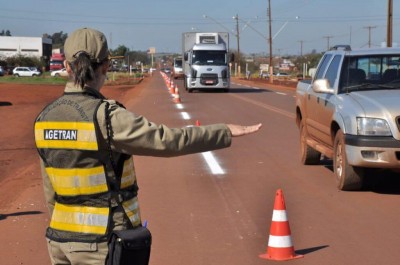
(132, 57)
(58, 40)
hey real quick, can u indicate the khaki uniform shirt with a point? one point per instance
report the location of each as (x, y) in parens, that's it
(133, 134)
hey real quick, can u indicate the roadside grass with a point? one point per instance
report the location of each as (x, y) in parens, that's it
(44, 79)
(114, 78)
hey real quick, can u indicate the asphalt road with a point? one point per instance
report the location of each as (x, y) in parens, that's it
(218, 212)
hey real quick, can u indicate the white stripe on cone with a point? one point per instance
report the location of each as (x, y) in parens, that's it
(280, 241)
(279, 216)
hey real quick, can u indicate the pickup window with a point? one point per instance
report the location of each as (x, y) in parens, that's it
(322, 67)
(333, 70)
(370, 73)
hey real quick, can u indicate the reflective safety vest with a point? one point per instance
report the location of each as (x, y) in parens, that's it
(78, 163)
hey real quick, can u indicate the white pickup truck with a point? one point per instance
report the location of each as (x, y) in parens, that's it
(350, 113)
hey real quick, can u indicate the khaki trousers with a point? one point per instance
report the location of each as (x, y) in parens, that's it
(76, 253)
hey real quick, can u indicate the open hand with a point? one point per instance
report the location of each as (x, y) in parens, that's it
(239, 130)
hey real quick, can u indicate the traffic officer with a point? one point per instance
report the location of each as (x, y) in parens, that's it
(86, 142)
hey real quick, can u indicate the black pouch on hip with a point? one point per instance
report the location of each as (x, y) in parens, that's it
(127, 247)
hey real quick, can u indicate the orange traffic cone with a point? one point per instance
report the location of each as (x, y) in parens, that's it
(197, 123)
(171, 87)
(177, 97)
(280, 246)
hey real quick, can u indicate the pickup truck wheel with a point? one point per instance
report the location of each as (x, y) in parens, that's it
(347, 177)
(309, 156)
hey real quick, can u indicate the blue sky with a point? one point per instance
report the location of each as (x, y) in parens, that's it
(297, 25)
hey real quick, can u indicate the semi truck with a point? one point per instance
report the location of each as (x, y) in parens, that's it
(206, 60)
(57, 61)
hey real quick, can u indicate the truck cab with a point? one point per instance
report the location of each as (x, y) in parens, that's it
(57, 61)
(206, 61)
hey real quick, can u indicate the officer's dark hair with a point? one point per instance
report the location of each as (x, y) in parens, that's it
(84, 69)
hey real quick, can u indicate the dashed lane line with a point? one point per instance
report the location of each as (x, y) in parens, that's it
(210, 159)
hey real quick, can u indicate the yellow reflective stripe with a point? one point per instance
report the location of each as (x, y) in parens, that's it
(128, 174)
(77, 181)
(80, 219)
(86, 135)
(132, 210)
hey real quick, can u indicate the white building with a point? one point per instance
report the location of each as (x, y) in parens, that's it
(25, 46)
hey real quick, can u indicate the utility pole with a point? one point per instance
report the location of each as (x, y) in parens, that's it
(271, 70)
(389, 24)
(301, 47)
(237, 38)
(328, 38)
(369, 34)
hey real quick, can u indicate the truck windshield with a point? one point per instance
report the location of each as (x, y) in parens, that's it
(371, 72)
(209, 58)
(178, 63)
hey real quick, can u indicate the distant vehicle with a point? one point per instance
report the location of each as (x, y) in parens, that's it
(58, 73)
(1, 71)
(281, 74)
(25, 71)
(166, 70)
(206, 60)
(57, 61)
(177, 70)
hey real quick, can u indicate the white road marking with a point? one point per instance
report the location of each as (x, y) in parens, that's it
(213, 163)
(179, 106)
(185, 115)
(210, 159)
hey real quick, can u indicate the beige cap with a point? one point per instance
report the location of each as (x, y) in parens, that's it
(89, 41)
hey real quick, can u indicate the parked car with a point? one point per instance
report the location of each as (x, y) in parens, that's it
(166, 70)
(1, 71)
(35, 69)
(281, 74)
(25, 71)
(57, 73)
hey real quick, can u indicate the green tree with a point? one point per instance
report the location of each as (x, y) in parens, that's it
(58, 39)
(311, 60)
(138, 56)
(120, 51)
(5, 33)
(21, 60)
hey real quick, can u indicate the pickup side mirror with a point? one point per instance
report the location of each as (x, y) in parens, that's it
(185, 56)
(322, 86)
